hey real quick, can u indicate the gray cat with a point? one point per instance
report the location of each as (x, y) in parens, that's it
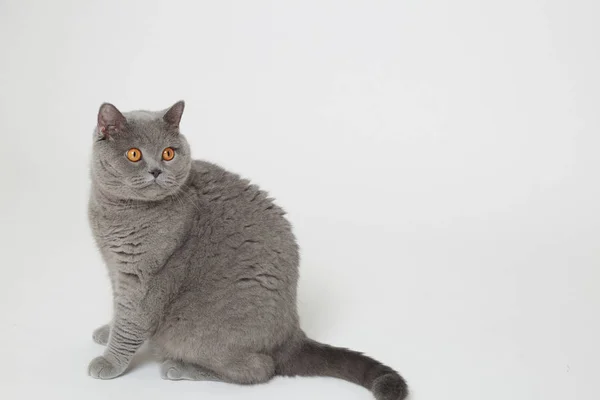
(203, 266)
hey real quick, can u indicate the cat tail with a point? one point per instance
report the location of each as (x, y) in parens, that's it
(311, 358)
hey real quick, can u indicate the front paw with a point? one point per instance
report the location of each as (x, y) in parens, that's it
(101, 368)
(101, 334)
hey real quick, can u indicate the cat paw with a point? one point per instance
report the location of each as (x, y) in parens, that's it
(101, 368)
(101, 334)
(179, 370)
(171, 370)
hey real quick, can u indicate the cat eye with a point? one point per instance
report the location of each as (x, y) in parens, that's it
(134, 155)
(168, 154)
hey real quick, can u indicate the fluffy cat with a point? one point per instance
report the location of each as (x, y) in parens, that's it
(203, 266)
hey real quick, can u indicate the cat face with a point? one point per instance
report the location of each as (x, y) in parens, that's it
(140, 155)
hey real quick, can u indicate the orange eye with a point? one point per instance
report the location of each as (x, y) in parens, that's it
(168, 154)
(134, 155)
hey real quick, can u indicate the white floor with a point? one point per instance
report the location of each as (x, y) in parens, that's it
(439, 161)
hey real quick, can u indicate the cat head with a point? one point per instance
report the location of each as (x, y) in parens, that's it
(140, 155)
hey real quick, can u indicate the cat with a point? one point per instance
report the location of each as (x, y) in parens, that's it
(203, 266)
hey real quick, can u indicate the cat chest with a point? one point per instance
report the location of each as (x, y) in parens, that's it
(125, 244)
(138, 242)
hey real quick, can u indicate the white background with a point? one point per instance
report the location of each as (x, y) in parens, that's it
(438, 159)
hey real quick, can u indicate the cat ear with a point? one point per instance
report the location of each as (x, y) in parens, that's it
(110, 120)
(173, 114)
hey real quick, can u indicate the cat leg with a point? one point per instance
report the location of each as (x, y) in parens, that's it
(101, 334)
(179, 370)
(125, 338)
(247, 369)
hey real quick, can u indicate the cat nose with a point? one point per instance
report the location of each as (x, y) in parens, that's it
(155, 172)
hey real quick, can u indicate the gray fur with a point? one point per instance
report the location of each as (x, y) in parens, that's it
(203, 266)
(101, 334)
